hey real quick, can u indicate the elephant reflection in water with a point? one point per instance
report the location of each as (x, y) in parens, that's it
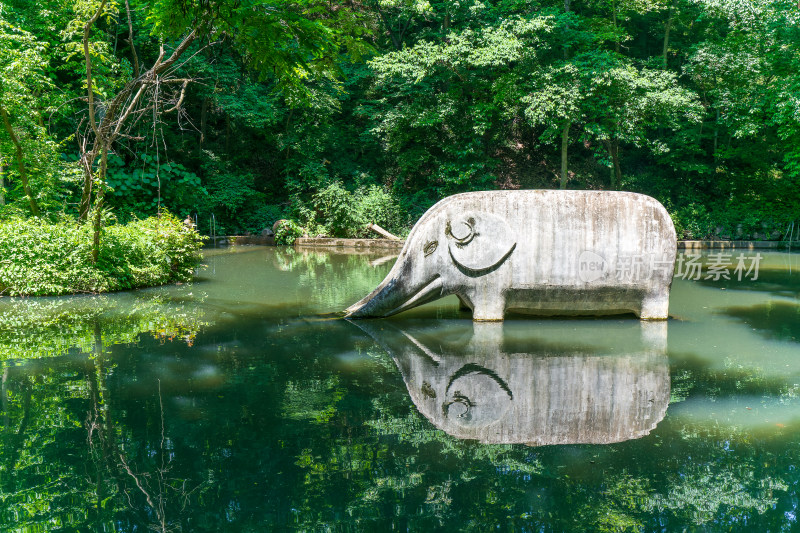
(514, 389)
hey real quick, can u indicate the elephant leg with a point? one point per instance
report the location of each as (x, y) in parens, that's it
(488, 307)
(655, 307)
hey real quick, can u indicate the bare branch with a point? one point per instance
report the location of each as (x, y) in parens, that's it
(137, 481)
(131, 137)
(182, 63)
(127, 112)
(180, 98)
(174, 80)
(130, 40)
(160, 67)
(125, 109)
(86, 29)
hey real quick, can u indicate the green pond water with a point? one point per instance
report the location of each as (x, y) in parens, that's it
(242, 402)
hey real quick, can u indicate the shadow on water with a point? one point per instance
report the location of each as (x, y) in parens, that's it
(777, 283)
(778, 274)
(773, 320)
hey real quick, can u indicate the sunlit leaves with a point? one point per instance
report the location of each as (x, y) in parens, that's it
(558, 97)
(281, 40)
(439, 106)
(28, 97)
(39, 258)
(500, 46)
(628, 103)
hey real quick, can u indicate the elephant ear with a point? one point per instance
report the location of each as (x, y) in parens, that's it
(479, 242)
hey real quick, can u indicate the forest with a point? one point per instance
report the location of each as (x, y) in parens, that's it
(237, 113)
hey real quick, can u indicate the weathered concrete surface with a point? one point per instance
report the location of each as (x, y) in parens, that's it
(500, 390)
(542, 252)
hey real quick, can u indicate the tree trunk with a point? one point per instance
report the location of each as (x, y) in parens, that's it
(382, 232)
(88, 161)
(615, 177)
(5, 398)
(397, 38)
(23, 172)
(667, 28)
(203, 121)
(98, 204)
(716, 132)
(564, 146)
(617, 170)
(567, 6)
(614, 20)
(86, 192)
(2, 185)
(130, 41)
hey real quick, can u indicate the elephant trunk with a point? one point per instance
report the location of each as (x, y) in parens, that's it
(394, 295)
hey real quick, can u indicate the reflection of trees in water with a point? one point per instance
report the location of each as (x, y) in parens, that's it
(69, 463)
(136, 477)
(39, 483)
(334, 277)
(54, 407)
(774, 319)
(31, 328)
(311, 427)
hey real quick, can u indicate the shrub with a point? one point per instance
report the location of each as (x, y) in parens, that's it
(41, 258)
(692, 222)
(338, 212)
(378, 206)
(139, 187)
(288, 231)
(740, 219)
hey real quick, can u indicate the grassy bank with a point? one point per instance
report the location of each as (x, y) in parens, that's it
(39, 258)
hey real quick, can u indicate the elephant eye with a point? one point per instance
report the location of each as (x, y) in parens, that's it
(463, 232)
(430, 248)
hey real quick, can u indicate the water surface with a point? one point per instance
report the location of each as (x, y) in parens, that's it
(241, 402)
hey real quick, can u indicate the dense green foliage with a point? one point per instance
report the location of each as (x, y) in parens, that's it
(276, 109)
(336, 211)
(39, 258)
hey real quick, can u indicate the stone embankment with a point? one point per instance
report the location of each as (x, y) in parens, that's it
(733, 245)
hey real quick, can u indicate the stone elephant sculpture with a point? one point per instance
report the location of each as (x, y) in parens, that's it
(540, 251)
